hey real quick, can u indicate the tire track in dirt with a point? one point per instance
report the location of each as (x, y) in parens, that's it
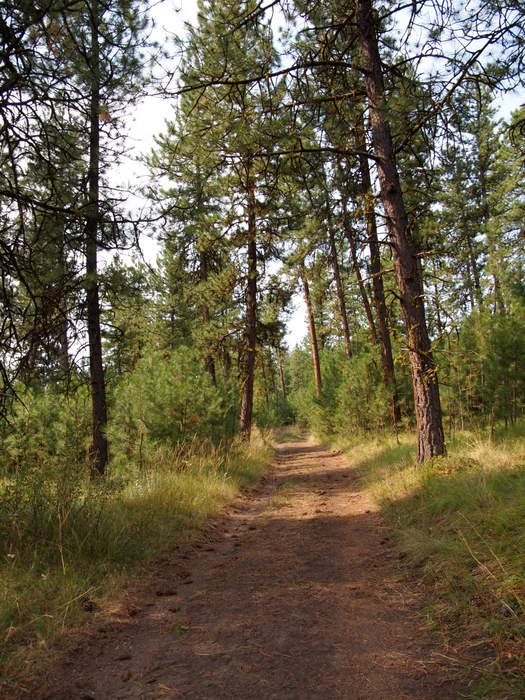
(291, 595)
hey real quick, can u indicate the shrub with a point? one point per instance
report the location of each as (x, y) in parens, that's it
(167, 400)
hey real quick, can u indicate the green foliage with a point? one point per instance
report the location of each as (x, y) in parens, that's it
(318, 413)
(130, 317)
(353, 397)
(168, 400)
(65, 539)
(47, 432)
(239, 161)
(362, 400)
(301, 384)
(274, 413)
(44, 488)
(483, 368)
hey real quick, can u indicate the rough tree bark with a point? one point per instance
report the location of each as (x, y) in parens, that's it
(99, 445)
(313, 335)
(209, 362)
(281, 371)
(63, 321)
(431, 441)
(251, 311)
(339, 289)
(359, 277)
(378, 287)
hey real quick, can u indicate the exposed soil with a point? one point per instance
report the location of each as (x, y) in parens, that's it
(293, 594)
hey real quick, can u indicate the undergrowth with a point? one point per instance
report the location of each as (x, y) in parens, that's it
(460, 521)
(289, 433)
(66, 540)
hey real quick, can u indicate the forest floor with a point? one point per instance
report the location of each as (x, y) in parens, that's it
(294, 593)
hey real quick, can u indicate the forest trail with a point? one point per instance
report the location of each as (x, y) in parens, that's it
(292, 594)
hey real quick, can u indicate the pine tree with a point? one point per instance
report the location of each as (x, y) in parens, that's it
(227, 128)
(98, 45)
(431, 440)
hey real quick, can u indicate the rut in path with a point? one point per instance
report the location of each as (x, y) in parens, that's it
(292, 595)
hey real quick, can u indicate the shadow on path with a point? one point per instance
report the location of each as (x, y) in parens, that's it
(296, 598)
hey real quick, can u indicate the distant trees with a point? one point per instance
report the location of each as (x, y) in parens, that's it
(220, 146)
(331, 162)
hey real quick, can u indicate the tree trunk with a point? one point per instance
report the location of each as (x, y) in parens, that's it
(439, 323)
(359, 277)
(281, 371)
(378, 286)
(63, 343)
(251, 313)
(99, 445)
(340, 291)
(313, 335)
(265, 381)
(209, 362)
(431, 441)
(271, 370)
(226, 363)
(498, 304)
(473, 277)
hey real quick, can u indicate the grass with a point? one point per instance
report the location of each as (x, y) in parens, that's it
(460, 522)
(65, 548)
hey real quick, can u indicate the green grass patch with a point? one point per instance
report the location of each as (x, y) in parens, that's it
(66, 540)
(460, 520)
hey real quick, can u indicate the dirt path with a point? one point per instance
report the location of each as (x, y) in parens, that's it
(292, 595)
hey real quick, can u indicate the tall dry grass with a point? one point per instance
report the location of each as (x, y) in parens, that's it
(65, 544)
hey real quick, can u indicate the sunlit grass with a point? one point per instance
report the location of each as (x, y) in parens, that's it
(460, 520)
(47, 582)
